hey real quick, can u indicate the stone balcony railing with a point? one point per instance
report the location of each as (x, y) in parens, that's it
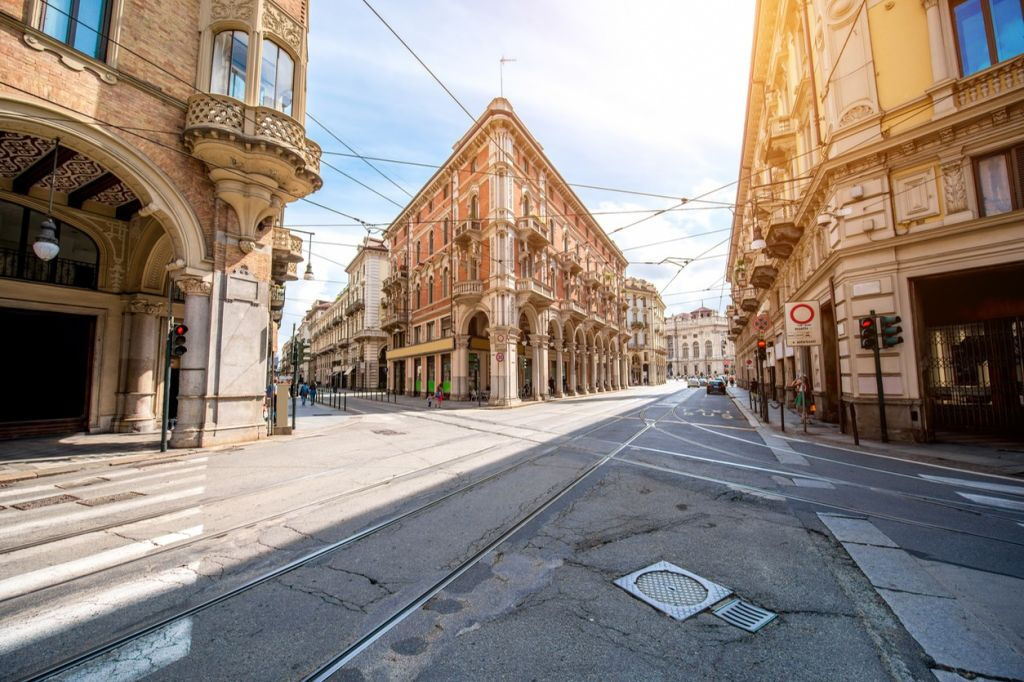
(354, 306)
(573, 308)
(287, 246)
(570, 260)
(992, 82)
(217, 126)
(538, 291)
(468, 289)
(781, 232)
(468, 230)
(400, 275)
(394, 317)
(533, 231)
(276, 296)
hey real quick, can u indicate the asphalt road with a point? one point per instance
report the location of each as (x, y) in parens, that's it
(404, 543)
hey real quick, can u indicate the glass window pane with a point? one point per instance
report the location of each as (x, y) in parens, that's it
(285, 75)
(239, 60)
(89, 26)
(970, 30)
(221, 59)
(994, 182)
(268, 74)
(57, 19)
(1009, 28)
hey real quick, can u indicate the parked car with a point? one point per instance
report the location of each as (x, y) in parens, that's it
(692, 382)
(716, 386)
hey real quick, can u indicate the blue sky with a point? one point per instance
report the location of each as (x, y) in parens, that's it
(647, 96)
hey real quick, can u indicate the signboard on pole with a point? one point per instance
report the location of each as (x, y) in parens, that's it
(803, 323)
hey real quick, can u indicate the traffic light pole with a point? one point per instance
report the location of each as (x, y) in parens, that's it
(165, 413)
(295, 373)
(878, 382)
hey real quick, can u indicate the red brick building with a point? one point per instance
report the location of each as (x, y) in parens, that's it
(171, 136)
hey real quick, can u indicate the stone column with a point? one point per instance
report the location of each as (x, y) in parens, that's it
(572, 369)
(460, 368)
(192, 373)
(141, 367)
(593, 371)
(559, 370)
(615, 370)
(540, 360)
(503, 366)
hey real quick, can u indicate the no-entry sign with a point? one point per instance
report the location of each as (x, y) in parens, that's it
(803, 323)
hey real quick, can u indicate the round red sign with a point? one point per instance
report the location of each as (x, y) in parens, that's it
(498, 357)
(801, 313)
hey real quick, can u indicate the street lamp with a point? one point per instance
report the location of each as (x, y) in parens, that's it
(46, 247)
(758, 243)
(309, 261)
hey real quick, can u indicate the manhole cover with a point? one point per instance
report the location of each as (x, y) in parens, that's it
(673, 590)
(744, 615)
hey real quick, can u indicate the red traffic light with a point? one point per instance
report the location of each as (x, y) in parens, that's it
(761, 343)
(180, 330)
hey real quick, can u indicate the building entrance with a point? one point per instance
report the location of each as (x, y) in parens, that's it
(972, 364)
(48, 373)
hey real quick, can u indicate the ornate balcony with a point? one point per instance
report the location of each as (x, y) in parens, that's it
(782, 232)
(763, 276)
(468, 231)
(532, 231)
(396, 278)
(394, 319)
(354, 306)
(749, 304)
(468, 291)
(286, 252)
(276, 297)
(781, 139)
(637, 325)
(245, 146)
(592, 278)
(574, 309)
(990, 83)
(570, 261)
(538, 293)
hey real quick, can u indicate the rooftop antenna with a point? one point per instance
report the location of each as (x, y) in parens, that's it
(501, 69)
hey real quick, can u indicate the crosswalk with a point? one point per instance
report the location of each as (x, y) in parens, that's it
(78, 525)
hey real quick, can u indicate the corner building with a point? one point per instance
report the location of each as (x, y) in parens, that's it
(646, 348)
(170, 135)
(699, 344)
(882, 169)
(501, 283)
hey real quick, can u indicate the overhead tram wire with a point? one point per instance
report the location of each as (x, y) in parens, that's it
(357, 154)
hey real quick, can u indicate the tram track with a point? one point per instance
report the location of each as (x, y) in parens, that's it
(76, 660)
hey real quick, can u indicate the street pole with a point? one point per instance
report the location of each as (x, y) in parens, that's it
(878, 380)
(164, 418)
(295, 373)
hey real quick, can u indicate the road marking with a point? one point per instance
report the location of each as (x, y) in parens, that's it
(999, 502)
(91, 490)
(982, 485)
(34, 580)
(112, 476)
(95, 512)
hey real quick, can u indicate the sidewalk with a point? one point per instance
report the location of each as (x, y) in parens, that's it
(968, 457)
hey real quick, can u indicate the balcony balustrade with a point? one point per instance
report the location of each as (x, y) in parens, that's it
(396, 278)
(782, 233)
(990, 83)
(763, 276)
(354, 306)
(468, 231)
(468, 291)
(533, 231)
(394, 319)
(531, 290)
(570, 261)
(573, 308)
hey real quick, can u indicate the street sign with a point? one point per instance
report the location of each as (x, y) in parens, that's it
(803, 323)
(761, 322)
(499, 357)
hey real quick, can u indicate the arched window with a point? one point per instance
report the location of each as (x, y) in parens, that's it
(526, 205)
(430, 242)
(419, 297)
(445, 235)
(444, 284)
(474, 207)
(686, 352)
(230, 57)
(430, 290)
(77, 262)
(696, 350)
(708, 352)
(277, 72)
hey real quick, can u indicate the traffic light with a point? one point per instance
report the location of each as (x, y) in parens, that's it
(762, 349)
(178, 340)
(868, 333)
(891, 331)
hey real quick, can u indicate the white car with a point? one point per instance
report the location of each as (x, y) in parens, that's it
(693, 382)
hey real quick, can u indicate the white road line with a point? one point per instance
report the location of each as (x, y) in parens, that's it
(90, 490)
(105, 510)
(1000, 502)
(100, 473)
(981, 485)
(33, 580)
(22, 629)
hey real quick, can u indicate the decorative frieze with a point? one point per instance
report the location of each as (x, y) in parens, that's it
(954, 186)
(194, 286)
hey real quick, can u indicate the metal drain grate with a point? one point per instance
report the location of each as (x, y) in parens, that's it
(673, 590)
(744, 615)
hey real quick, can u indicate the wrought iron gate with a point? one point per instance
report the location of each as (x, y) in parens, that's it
(974, 376)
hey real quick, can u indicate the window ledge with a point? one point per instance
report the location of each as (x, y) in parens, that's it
(69, 57)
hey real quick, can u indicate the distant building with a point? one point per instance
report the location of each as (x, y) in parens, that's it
(699, 344)
(646, 351)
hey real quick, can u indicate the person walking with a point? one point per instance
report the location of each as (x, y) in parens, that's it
(304, 393)
(438, 395)
(312, 393)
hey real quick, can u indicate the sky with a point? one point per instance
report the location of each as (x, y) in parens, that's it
(646, 96)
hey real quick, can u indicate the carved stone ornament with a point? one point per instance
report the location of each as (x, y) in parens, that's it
(954, 187)
(855, 113)
(246, 245)
(231, 9)
(278, 22)
(70, 58)
(193, 286)
(143, 307)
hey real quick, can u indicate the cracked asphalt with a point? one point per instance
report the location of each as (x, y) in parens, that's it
(834, 542)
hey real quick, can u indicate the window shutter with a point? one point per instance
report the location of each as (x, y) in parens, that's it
(1018, 175)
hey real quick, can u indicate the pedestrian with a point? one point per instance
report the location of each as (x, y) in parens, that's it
(430, 398)
(438, 395)
(304, 393)
(312, 393)
(799, 386)
(551, 385)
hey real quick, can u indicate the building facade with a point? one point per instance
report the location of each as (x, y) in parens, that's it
(646, 346)
(164, 179)
(500, 282)
(881, 174)
(348, 344)
(699, 344)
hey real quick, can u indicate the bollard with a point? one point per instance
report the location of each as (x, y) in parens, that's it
(345, 396)
(853, 424)
(782, 411)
